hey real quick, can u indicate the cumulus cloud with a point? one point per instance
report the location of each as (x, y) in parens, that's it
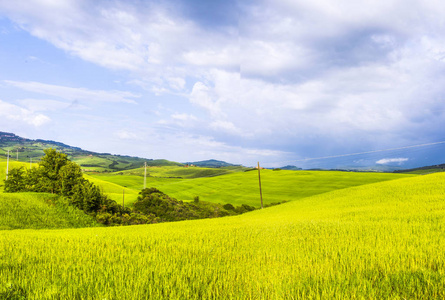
(127, 135)
(16, 114)
(153, 40)
(385, 161)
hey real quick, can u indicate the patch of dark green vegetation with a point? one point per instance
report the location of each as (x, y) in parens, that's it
(166, 209)
(13, 292)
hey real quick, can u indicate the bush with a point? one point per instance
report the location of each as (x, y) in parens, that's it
(228, 206)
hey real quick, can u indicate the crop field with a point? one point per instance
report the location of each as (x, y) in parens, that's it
(242, 187)
(375, 241)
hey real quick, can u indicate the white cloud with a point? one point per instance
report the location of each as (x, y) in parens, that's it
(127, 135)
(150, 39)
(70, 93)
(225, 126)
(385, 161)
(184, 117)
(43, 104)
(17, 114)
(202, 95)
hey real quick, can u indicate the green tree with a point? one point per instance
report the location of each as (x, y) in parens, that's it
(15, 182)
(50, 166)
(69, 176)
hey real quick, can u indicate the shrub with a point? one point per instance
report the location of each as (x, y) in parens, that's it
(228, 206)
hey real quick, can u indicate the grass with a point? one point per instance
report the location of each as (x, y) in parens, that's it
(242, 187)
(181, 172)
(40, 211)
(375, 241)
(115, 191)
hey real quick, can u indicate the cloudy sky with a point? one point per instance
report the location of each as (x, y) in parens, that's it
(275, 81)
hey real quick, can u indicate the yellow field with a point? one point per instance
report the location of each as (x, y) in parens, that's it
(376, 241)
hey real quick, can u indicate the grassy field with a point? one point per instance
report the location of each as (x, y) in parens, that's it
(242, 187)
(40, 211)
(375, 241)
(182, 172)
(119, 193)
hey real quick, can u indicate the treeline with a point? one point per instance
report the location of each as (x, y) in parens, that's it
(58, 175)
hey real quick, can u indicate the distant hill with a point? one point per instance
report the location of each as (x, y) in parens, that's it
(25, 150)
(289, 167)
(211, 163)
(424, 170)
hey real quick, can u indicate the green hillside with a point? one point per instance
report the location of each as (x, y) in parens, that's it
(183, 172)
(242, 187)
(27, 149)
(40, 211)
(375, 241)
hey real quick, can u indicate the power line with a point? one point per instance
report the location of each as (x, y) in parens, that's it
(360, 153)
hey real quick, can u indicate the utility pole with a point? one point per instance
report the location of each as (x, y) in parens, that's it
(145, 175)
(259, 180)
(7, 166)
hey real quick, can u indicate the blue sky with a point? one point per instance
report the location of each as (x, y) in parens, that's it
(241, 81)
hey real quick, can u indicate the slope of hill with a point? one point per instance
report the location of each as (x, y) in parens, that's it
(376, 241)
(211, 163)
(24, 150)
(40, 211)
(242, 187)
(424, 170)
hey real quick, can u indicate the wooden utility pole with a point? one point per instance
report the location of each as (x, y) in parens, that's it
(145, 175)
(7, 166)
(259, 180)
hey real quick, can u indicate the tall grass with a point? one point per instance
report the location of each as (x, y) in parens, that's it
(40, 211)
(377, 241)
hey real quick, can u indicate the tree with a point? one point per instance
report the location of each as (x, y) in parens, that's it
(69, 176)
(15, 182)
(50, 166)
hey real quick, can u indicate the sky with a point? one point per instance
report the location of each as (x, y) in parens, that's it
(274, 81)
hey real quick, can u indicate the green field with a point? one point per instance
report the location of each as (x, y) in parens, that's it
(242, 187)
(375, 241)
(40, 211)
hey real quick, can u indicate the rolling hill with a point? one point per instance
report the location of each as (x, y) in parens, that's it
(238, 187)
